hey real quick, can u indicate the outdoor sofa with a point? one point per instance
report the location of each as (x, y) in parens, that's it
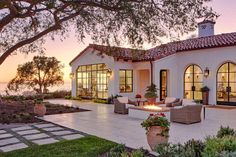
(122, 104)
(188, 113)
(169, 102)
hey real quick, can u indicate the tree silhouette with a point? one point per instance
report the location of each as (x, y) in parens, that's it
(24, 24)
(39, 74)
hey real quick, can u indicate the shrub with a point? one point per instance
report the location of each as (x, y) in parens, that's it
(68, 97)
(214, 147)
(117, 151)
(60, 94)
(225, 131)
(151, 91)
(192, 148)
(100, 101)
(76, 98)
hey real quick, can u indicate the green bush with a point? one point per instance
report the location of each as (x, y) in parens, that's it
(100, 101)
(117, 151)
(68, 97)
(192, 148)
(214, 147)
(225, 131)
(76, 98)
(60, 94)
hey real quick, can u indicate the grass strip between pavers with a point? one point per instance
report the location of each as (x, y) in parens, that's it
(89, 146)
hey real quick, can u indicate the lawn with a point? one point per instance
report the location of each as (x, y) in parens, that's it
(89, 146)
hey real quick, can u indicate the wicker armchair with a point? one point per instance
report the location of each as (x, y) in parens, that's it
(122, 108)
(187, 114)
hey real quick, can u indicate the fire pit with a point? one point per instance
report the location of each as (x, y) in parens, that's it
(142, 112)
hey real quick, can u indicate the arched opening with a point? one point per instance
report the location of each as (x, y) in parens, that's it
(92, 81)
(226, 84)
(193, 82)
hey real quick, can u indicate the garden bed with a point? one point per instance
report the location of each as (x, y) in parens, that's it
(23, 111)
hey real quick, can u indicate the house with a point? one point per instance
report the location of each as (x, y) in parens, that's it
(179, 69)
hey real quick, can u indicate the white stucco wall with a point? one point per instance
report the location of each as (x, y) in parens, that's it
(91, 57)
(176, 65)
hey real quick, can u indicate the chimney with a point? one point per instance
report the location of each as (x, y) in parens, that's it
(206, 28)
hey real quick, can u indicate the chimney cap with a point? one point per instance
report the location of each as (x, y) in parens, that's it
(206, 21)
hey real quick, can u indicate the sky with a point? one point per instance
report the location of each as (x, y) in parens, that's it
(65, 51)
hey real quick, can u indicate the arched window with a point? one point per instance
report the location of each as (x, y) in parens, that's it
(193, 82)
(226, 84)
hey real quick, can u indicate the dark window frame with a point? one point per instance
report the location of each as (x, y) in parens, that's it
(125, 84)
(193, 80)
(91, 70)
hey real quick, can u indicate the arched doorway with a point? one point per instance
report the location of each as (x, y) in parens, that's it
(226, 84)
(193, 82)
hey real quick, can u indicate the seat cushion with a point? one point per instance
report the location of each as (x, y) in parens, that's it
(186, 102)
(162, 105)
(123, 99)
(169, 100)
(178, 107)
(128, 105)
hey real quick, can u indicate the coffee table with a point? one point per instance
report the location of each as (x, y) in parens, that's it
(142, 112)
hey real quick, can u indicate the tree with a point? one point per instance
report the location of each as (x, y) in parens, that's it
(39, 74)
(24, 24)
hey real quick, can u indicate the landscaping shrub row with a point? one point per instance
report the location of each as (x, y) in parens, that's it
(56, 94)
(221, 145)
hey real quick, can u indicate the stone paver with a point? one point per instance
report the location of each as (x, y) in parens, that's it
(44, 125)
(53, 128)
(45, 141)
(36, 136)
(8, 141)
(72, 137)
(9, 148)
(2, 131)
(5, 135)
(62, 132)
(40, 134)
(22, 128)
(27, 132)
(102, 122)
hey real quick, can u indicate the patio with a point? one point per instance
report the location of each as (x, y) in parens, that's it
(102, 122)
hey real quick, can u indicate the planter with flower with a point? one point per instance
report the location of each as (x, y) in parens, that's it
(151, 94)
(39, 108)
(157, 127)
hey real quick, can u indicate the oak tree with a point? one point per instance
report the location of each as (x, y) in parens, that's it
(24, 24)
(39, 74)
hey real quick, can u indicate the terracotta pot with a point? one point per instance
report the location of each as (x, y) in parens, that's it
(151, 101)
(154, 136)
(205, 98)
(40, 110)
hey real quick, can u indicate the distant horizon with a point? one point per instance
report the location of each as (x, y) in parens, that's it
(68, 49)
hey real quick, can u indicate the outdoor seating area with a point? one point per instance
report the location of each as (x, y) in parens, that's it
(177, 110)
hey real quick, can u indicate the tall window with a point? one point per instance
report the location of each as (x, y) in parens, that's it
(126, 81)
(92, 81)
(193, 82)
(226, 84)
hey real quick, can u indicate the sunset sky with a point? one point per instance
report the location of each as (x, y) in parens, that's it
(65, 51)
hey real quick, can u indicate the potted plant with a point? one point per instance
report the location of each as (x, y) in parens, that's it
(157, 129)
(39, 108)
(151, 94)
(205, 95)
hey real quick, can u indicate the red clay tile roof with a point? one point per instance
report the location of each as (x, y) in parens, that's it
(164, 50)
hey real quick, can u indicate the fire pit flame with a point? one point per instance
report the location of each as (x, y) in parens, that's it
(152, 107)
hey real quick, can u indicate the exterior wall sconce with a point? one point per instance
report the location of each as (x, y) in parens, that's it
(72, 75)
(109, 72)
(206, 72)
